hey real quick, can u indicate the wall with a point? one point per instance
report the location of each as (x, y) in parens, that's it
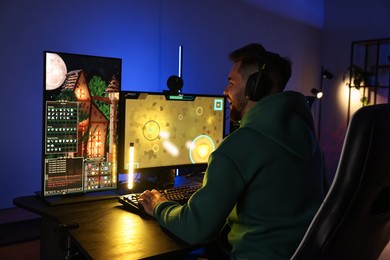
(344, 22)
(146, 35)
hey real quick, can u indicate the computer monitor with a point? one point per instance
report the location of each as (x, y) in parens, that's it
(80, 115)
(170, 131)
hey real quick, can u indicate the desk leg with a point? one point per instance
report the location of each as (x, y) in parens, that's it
(53, 242)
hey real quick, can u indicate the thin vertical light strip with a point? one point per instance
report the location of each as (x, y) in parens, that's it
(180, 61)
(130, 177)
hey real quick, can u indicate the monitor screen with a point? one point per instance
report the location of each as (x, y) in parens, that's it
(80, 136)
(170, 131)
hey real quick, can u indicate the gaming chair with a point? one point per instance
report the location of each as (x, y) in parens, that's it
(354, 219)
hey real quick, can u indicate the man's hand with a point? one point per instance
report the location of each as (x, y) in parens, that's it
(150, 199)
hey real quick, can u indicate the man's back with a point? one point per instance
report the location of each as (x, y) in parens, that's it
(282, 172)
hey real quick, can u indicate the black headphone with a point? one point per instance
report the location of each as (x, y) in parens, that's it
(259, 83)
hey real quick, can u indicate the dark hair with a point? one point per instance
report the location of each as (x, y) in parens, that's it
(249, 55)
(279, 70)
(254, 54)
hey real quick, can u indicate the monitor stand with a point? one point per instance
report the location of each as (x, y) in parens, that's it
(159, 179)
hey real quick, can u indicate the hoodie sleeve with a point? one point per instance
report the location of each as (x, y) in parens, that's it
(205, 213)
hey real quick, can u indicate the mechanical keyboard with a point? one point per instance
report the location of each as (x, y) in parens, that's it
(179, 194)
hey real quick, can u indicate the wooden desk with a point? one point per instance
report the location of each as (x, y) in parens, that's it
(105, 231)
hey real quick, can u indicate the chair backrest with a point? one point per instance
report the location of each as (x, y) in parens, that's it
(354, 220)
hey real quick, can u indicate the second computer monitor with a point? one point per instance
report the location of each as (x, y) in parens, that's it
(80, 115)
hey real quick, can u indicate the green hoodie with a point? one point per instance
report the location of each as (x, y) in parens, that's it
(264, 182)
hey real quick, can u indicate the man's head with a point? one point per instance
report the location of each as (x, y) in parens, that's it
(248, 62)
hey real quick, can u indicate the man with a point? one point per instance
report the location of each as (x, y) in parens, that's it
(264, 183)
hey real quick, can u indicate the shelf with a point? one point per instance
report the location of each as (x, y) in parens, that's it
(368, 86)
(372, 42)
(366, 56)
(383, 67)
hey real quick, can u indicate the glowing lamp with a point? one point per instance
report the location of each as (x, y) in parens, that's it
(131, 167)
(317, 93)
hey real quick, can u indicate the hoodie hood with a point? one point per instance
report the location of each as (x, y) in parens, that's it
(283, 115)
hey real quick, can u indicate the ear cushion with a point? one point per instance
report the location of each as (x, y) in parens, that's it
(258, 85)
(251, 86)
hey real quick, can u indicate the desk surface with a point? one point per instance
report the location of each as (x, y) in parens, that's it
(106, 230)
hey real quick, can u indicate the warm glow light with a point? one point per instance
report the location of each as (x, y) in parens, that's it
(356, 95)
(131, 167)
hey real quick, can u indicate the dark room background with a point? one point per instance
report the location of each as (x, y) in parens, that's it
(146, 36)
